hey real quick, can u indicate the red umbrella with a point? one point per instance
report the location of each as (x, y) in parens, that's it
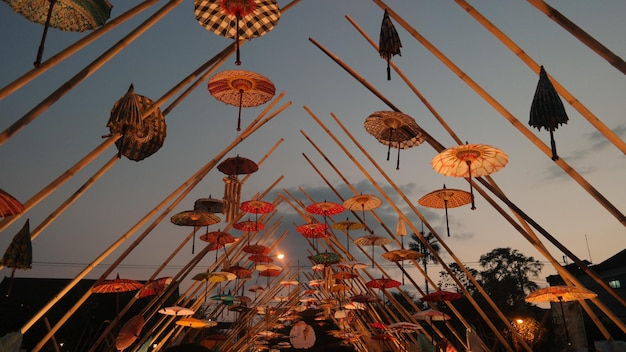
(383, 283)
(238, 166)
(440, 296)
(378, 325)
(241, 88)
(256, 207)
(9, 206)
(154, 287)
(129, 332)
(240, 271)
(116, 286)
(219, 238)
(256, 249)
(467, 160)
(313, 230)
(325, 208)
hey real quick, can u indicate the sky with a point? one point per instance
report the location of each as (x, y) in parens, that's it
(200, 126)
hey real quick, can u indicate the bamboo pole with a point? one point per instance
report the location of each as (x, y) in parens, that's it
(124, 237)
(86, 72)
(580, 34)
(514, 121)
(72, 49)
(586, 113)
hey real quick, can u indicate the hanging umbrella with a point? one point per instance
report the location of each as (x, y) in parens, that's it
(440, 296)
(445, 198)
(547, 109)
(389, 42)
(362, 202)
(125, 116)
(194, 323)
(211, 205)
(240, 88)
(325, 209)
(344, 275)
(233, 167)
(383, 283)
(19, 253)
(129, 332)
(269, 273)
(256, 207)
(352, 265)
(239, 271)
(249, 225)
(238, 166)
(372, 240)
(365, 299)
(347, 225)
(378, 325)
(313, 230)
(196, 219)
(256, 249)
(326, 258)
(176, 311)
(267, 266)
(238, 19)
(224, 297)
(154, 287)
(394, 129)
(467, 160)
(65, 15)
(9, 206)
(219, 238)
(400, 255)
(561, 294)
(117, 286)
(404, 327)
(431, 315)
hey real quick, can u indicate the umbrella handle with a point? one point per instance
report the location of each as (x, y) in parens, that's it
(37, 62)
(555, 157)
(469, 171)
(237, 61)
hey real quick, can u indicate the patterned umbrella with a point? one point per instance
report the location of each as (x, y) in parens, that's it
(467, 160)
(372, 240)
(19, 253)
(547, 109)
(400, 255)
(389, 42)
(394, 129)
(347, 225)
(129, 332)
(326, 258)
(233, 167)
(196, 219)
(431, 315)
(256, 249)
(365, 299)
(242, 89)
(239, 271)
(117, 286)
(65, 15)
(140, 138)
(154, 287)
(362, 202)
(313, 230)
(256, 207)
(9, 206)
(445, 198)
(219, 238)
(211, 205)
(383, 283)
(325, 209)
(245, 19)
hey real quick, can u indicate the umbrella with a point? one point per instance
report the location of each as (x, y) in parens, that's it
(65, 15)
(211, 205)
(352, 265)
(19, 253)
(233, 167)
(9, 206)
(256, 249)
(400, 255)
(377, 325)
(313, 230)
(154, 287)
(467, 160)
(394, 129)
(365, 298)
(383, 283)
(325, 209)
(344, 275)
(176, 311)
(239, 271)
(129, 332)
(362, 202)
(431, 315)
(561, 294)
(445, 198)
(326, 258)
(372, 240)
(440, 296)
(219, 238)
(269, 273)
(249, 225)
(256, 207)
(194, 218)
(238, 166)
(389, 41)
(242, 89)
(245, 19)
(191, 322)
(117, 286)
(267, 266)
(547, 109)
(404, 327)
(347, 226)
(125, 116)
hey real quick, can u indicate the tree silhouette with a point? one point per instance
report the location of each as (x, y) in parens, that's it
(417, 245)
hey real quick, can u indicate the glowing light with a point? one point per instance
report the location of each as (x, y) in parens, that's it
(280, 256)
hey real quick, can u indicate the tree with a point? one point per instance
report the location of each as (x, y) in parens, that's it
(417, 245)
(447, 283)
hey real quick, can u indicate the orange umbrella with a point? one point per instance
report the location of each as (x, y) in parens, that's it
(362, 202)
(394, 129)
(129, 332)
(400, 255)
(256, 249)
(116, 286)
(372, 240)
(347, 226)
(154, 287)
(445, 198)
(467, 160)
(194, 218)
(9, 206)
(191, 322)
(219, 238)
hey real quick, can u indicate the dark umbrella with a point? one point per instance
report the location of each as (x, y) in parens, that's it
(9, 206)
(389, 41)
(65, 15)
(140, 138)
(440, 296)
(129, 332)
(19, 253)
(394, 129)
(232, 186)
(154, 287)
(196, 219)
(547, 109)
(237, 19)
(211, 205)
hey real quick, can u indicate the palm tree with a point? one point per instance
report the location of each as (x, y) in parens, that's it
(417, 245)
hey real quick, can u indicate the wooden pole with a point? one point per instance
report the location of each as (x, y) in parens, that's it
(580, 34)
(586, 113)
(72, 49)
(86, 72)
(525, 131)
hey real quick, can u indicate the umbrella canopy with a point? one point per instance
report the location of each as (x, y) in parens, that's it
(211, 205)
(431, 315)
(389, 42)
(365, 299)
(249, 225)
(372, 240)
(19, 253)
(245, 19)
(9, 206)
(176, 311)
(140, 138)
(547, 109)
(352, 265)
(256, 249)
(256, 207)
(362, 202)
(398, 255)
(129, 332)
(270, 272)
(383, 283)
(344, 275)
(239, 271)
(65, 15)
(325, 208)
(467, 160)
(191, 322)
(313, 230)
(560, 294)
(238, 166)
(117, 285)
(326, 258)
(154, 287)
(378, 325)
(394, 129)
(262, 267)
(445, 198)
(404, 327)
(195, 218)
(242, 89)
(218, 237)
(440, 296)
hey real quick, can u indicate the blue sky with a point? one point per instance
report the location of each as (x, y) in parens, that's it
(200, 126)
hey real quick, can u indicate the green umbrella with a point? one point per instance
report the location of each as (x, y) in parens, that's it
(19, 254)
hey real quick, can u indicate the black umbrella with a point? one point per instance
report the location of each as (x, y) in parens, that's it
(389, 42)
(19, 253)
(547, 110)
